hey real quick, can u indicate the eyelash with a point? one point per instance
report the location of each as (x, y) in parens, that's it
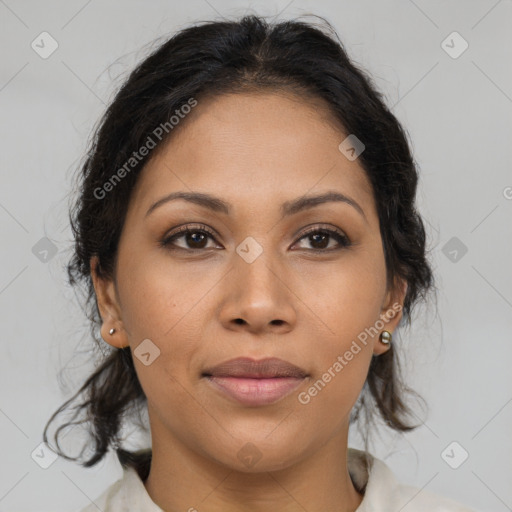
(342, 239)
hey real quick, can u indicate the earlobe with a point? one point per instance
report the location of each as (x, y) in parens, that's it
(112, 330)
(114, 336)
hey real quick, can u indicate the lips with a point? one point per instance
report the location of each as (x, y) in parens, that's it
(249, 368)
(255, 383)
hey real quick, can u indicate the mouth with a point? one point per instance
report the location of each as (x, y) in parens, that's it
(255, 383)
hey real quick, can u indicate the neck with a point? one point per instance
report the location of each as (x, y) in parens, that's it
(182, 478)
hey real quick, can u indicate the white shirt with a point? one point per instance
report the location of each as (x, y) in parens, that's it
(383, 493)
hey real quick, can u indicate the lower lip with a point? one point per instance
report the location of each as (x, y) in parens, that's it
(256, 391)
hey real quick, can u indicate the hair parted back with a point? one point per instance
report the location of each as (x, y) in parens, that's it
(213, 58)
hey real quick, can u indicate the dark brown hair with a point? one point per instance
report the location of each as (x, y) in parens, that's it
(213, 58)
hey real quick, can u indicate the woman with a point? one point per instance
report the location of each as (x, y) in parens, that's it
(247, 234)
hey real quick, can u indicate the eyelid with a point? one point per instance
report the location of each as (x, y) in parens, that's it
(191, 226)
(176, 232)
(320, 227)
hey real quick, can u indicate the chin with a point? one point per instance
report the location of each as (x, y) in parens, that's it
(259, 453)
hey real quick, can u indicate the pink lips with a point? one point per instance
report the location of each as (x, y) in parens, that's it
(253, 382)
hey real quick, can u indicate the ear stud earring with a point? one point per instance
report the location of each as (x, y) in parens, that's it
(112, 331)
(385, 337)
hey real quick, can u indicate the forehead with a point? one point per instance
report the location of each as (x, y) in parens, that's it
(252, 147)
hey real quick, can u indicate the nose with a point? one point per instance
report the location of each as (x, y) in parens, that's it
(258, 297)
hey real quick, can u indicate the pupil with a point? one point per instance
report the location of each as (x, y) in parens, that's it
(322, 243)
(195, 235)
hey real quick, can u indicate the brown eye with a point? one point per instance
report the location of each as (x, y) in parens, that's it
(195, 238)
(319, 238)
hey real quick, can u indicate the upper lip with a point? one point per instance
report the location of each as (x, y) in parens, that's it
(250, 368)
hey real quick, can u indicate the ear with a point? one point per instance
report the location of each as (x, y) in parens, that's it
(109, 308)
(391, 313)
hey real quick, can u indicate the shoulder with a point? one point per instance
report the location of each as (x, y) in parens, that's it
(383, 492)
(124, 495)
(106, 500)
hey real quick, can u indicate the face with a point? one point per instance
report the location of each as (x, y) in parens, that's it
(249, 280)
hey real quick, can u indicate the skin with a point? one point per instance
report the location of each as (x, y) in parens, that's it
(255, 151)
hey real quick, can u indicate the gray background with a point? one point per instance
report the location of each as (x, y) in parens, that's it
(457, 112)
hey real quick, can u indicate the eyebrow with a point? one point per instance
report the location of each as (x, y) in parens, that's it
(287, 208)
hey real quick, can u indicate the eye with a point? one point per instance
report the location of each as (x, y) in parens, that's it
(320, 238)
(195, 237)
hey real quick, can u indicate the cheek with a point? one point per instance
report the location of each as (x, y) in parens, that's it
(162, 307)
(160, 297)
(344, 298)
(347, 303)
(333, 389)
